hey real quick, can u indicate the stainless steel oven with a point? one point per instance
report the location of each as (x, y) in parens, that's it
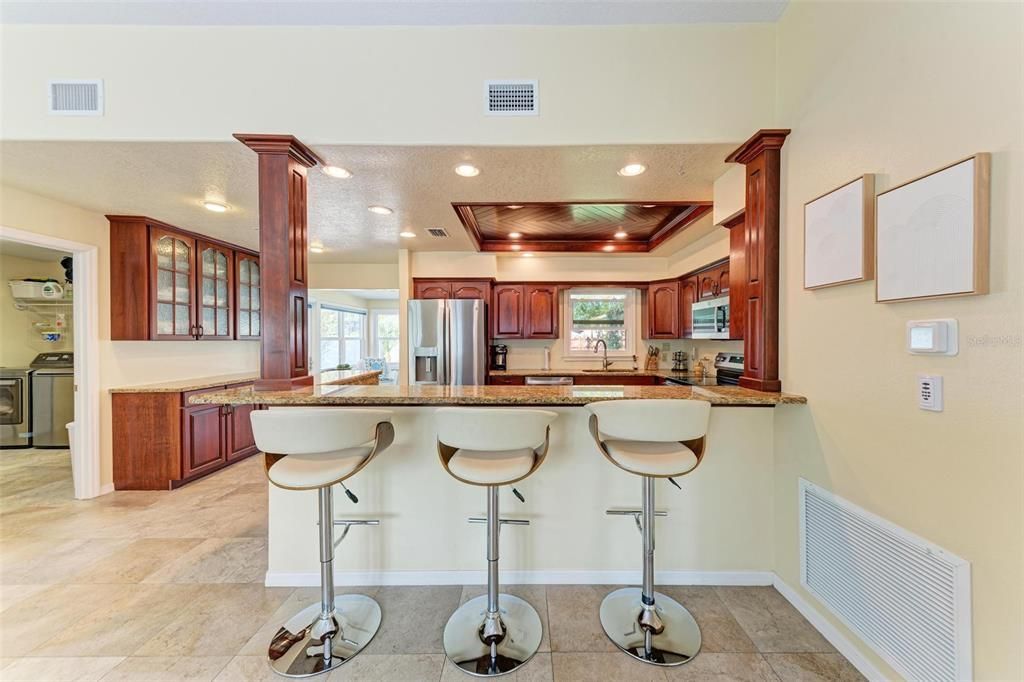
(711, 318)
(15, 412)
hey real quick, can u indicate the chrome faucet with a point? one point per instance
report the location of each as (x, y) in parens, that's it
(605, 364)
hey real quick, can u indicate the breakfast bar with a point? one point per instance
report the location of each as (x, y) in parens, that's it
(717, 529)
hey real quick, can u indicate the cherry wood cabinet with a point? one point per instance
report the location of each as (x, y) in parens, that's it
(161, 442)
(428, 288)
(472, 289)
(507, 311)
(431, 289)
(737, 278)
(662, 310)
(248, 295)
(167, 283)
(714, 281)
(688, 295)
(541, 301)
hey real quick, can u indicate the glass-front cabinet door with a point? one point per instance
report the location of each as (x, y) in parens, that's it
(173, 283)
(215, 316)
(248, 286)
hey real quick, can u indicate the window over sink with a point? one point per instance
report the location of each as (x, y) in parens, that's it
(592, 315)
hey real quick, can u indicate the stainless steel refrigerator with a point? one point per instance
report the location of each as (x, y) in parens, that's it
(447, 342)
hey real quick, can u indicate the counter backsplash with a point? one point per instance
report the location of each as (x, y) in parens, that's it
(530, 354)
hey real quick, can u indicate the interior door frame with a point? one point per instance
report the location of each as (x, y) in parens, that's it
(85, 446)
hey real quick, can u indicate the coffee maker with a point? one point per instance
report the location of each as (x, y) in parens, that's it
(499, 357)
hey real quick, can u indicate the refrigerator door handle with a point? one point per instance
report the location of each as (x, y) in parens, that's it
(446, 344)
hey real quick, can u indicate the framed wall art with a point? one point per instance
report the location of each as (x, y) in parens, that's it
(932, 234)
(839, 234)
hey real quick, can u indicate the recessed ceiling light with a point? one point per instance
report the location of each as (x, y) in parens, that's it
(214, 206)
(336, 172)
(515, 206)
(467, 170)
(621, 234)
(527, 255)
(608, 247)
(632, 169)
(316, 248)
(407, 234)
(379, 210)
(515, 235)
(649, 205)
(515, 247)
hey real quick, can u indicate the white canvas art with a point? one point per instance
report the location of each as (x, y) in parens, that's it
(835, 229)
(926, 236)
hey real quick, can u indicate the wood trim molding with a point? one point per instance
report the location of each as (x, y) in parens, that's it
(280, 144)
(468, 219)
(760, 142)
(680, 223)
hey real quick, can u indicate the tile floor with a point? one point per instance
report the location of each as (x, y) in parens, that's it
(168, 586)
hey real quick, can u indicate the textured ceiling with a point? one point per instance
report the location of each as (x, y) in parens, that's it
(169, 180)
(388, 12)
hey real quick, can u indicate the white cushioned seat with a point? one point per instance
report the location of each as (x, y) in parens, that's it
(315, 470)
(491, 467)
(651, 458)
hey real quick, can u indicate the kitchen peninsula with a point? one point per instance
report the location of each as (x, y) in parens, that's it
(423, 537)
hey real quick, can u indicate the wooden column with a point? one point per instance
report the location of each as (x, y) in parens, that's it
(283, 161)
(761, 156)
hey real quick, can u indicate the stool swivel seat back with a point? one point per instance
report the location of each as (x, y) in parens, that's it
(313, 449)
(651, 439)
(490, 447)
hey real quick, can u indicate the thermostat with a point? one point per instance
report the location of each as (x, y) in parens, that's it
(932, 337)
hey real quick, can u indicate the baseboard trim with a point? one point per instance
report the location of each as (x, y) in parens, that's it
(357, 578)
(841, 642)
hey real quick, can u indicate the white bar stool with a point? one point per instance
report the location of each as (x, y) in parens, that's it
(652, 439)
(495, 633)
(312, 449)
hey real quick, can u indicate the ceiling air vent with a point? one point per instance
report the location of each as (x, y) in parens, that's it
(437, 232)
(510, 98)
(76, 97)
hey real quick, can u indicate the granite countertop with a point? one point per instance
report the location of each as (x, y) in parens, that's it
(612, 372)
(333, 377)
(548, 396)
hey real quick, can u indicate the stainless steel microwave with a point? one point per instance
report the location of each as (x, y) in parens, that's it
(711, 318)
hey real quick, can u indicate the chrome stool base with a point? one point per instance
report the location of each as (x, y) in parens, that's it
(297, 648)
(678, 643)
(464, 646)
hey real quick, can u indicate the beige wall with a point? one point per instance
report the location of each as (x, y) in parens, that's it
(353, 276)
(900, 89)
(20, 341)
(122, 363)
(382, 86)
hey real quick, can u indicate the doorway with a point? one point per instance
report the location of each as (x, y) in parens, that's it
(355, 329)
(53, 305)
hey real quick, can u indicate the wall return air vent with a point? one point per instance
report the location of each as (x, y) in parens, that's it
(510, 98)
(76, 97)
(437, 232)
(908, 599)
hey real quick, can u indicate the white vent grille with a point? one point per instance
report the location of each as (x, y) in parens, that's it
(76, 97)
(905, 597)
(437, 232)
(510, 98)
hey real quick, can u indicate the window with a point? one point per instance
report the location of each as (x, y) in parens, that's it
(595, 314)
(385, 331)
(342, 337)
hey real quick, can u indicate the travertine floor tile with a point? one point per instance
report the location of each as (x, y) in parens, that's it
(771, 622)
(12, 594)
(713, 667)
(719, 630)
(396, 668)
(414, 619)
(135, 561)
(606, 667)
(167, 669)
(573, 615)
(217, 560)
(813, 668)
(247, 669)
(82, 669)
(44, 560)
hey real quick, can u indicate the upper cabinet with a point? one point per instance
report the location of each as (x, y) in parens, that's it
(169, 284)
(451, 288)
(688, 295)
(507, 311)
(249, 292)
(714, 281)
(662, 310)
(472, 289)
(541, 311)
(431, 289)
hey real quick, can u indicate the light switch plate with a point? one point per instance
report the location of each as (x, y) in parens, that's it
(929, 392)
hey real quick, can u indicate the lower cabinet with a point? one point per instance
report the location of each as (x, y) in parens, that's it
(161, 442)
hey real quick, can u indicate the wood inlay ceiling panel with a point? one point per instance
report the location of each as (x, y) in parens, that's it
(577, 226)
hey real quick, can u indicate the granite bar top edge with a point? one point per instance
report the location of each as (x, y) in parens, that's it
(329, 377)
